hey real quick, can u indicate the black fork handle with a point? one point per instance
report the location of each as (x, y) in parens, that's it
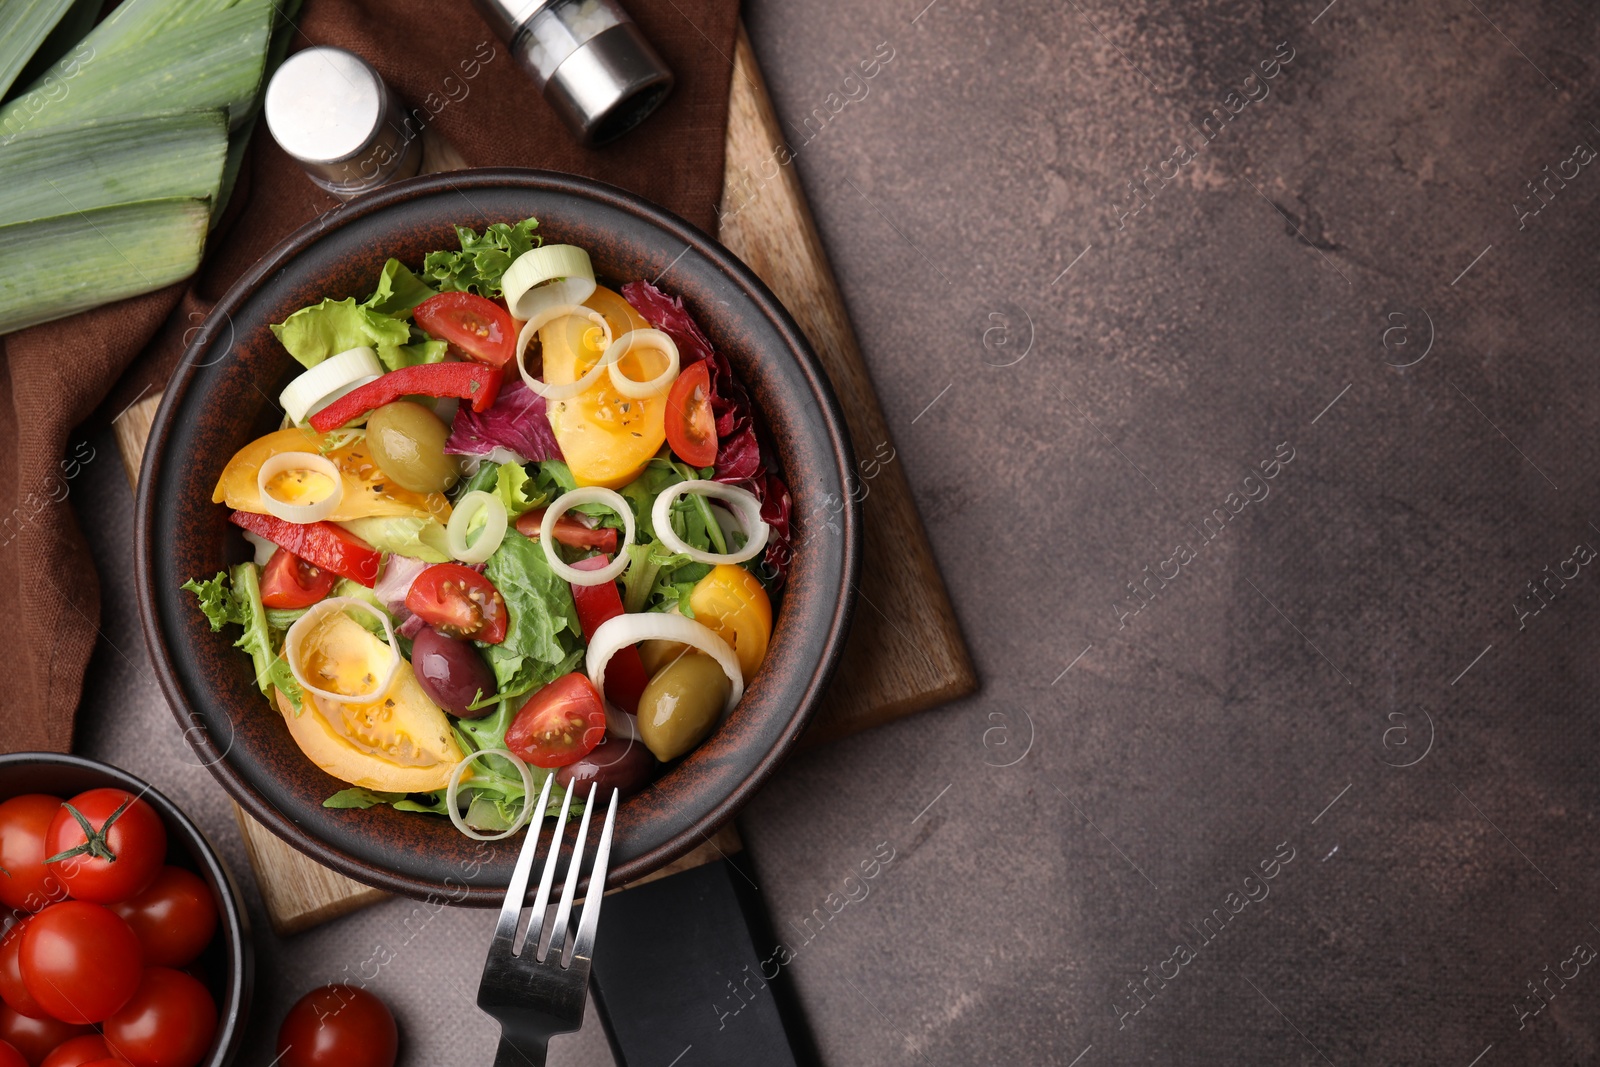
(528, 1054)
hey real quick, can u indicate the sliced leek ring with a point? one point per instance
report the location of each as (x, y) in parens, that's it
(741, 501)
(551, 314)
(589, 494)
(315, 511)
(546, 276)
(630, 387)
(461, 519)
(328, 381)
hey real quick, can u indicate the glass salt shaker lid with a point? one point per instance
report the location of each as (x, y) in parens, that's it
(589, 59)
(332, 112)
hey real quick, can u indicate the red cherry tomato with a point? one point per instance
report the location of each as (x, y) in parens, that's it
(12, 989)
(25, 882)
(338, 1026)
(481, 329)
(459, 602)
(79, 961)
(560, 724)
(568, 531)
(691, 425)
(625, 674)
(10, 1057)
(34, 1038)
(168, 1023)
(291, 582)
(173, 918)
(81, 1052)
(106, 845)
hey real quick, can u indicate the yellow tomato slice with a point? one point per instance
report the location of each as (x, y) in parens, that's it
(400, 743)
(367, 491)
(606, 437)
(732, 603)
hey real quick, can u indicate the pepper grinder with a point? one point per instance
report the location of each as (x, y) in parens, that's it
(333, 113)
(589, 59)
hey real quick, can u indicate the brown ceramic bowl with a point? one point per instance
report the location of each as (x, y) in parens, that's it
(228, 963)
(222, 397)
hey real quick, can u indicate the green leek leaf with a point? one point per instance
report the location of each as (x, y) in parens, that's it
(24, 25)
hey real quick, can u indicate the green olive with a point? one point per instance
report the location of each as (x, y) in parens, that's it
(681, 704)
(407, 443)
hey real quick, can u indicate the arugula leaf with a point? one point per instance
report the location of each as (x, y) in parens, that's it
(482, 261)
(398, 290)
(543, 637)
(241, 605)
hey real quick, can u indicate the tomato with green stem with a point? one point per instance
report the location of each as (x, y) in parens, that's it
(106, 845)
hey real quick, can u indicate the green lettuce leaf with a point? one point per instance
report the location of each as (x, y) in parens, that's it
(420, 538)
(398, 290)
(512, 486)
(360, 798)
(314, 333)
(241, 605)
(543, 636)
(482, 261)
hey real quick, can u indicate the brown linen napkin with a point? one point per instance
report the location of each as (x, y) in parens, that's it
(55, 376)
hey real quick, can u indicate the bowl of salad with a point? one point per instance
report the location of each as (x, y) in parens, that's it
(484, 480)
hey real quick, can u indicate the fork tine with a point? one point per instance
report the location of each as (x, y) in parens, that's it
(589, 919)
(517, 892)
(542, 901)
(558, 932)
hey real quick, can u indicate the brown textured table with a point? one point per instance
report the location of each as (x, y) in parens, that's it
(1179, 752)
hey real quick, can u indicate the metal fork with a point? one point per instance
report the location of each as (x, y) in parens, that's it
(533, 996)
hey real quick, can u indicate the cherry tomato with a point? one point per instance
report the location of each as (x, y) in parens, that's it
(481, 329)
(79, 961)
(168, 1023)
(338, 1026)
(625, 674)
(34, 1038)
(568, 531)
(291, 582)
(106, 845)
(10, 1057)
(560, 724)
(459, 602)
(12, 989)
(173, 919)
(25, 882)
(81, 1052)
(691, 425)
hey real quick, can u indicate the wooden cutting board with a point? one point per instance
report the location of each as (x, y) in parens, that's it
(905, 652)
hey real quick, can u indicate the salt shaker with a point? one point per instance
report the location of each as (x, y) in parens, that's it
(588, 58)
(333, 113)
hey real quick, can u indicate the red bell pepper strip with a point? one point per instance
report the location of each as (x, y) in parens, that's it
(625, 675)
(569, 532)
(322, 544)
(477, 382)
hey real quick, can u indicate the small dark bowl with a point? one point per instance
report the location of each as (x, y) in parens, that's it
(229, 961)
(221, 398)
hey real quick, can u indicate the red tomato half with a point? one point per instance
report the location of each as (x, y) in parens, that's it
(291, 582)
(173, 919)
(81, 1052)
(459, 602)
(25, 881)
(34, 1038)
(12, 991)
(478, 327)
(568, 531)
(106, 845)
(691, 424)
(560, 724)
(79, 961)
(168, 1023)
(625, 674)
(338, 1026)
